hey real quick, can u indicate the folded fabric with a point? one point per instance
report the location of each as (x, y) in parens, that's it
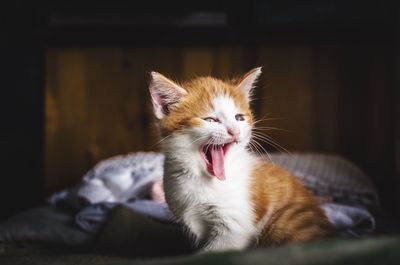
(118, 179)
(45, 224)
(93, 217)
(127, 180)
(352, 221)
(331, 176)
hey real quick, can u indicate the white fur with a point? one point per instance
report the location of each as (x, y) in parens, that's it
(196, 197)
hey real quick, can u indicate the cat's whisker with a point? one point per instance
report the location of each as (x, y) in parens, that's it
(208, 144)
(160, 141)
(252, 149)
(257, 150)
(270, 141)
(266, 141)
(269, 128)
(263, 117)
(266, 128)
(273, 144)
(266, 119)
(166, 137)
(199, 138)
(263, 149)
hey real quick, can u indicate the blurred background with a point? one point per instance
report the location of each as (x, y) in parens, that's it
(75, 75)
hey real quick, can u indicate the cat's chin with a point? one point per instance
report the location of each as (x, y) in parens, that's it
(214, 158)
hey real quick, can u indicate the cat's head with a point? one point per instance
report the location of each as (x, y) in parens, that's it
(207, 115)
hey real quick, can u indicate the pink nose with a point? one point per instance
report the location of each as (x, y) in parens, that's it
(233, 132)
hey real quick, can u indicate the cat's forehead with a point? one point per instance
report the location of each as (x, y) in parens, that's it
(224, 105)
(217, 94)
(208, 85)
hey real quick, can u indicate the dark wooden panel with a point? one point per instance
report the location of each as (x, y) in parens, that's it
(329, 96)
(97, 105)
(287, 95)
(325, 86)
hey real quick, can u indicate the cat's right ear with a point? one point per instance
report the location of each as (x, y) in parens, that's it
(164, 94)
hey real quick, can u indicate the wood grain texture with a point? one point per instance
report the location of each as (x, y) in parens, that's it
(288, 98)
(331, 97)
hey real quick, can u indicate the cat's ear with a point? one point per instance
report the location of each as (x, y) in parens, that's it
(164, 94)
(247, 82)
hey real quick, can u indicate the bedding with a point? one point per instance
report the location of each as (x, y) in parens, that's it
(76, 216)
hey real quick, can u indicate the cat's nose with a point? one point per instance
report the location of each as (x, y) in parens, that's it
(234, 132)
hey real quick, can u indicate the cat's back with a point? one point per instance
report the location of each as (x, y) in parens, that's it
(271, 186)
(284, 210)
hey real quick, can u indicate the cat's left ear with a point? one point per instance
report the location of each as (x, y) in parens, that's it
(247, 82)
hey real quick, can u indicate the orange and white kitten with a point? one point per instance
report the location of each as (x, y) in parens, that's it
(227, 197)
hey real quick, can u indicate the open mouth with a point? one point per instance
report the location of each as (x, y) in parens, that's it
(214, 157)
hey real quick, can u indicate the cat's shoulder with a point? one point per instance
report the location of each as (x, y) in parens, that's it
(269, 170)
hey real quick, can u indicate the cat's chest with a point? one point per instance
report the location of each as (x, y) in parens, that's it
(232, 193)
(225, 202)
(230, 197)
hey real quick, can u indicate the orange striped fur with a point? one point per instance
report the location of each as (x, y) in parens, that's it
(294, 214)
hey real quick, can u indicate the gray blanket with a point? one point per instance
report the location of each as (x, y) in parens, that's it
(347, 191)
(77, 214)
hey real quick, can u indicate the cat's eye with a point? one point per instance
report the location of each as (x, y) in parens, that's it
(239, 117)
(210, 119)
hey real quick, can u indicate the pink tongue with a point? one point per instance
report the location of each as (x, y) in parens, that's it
(217, 156)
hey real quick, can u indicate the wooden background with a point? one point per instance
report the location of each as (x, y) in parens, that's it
(330, 97)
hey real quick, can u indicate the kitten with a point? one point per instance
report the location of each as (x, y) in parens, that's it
(227, 197)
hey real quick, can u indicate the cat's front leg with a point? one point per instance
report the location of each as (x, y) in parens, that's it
(222, 239)
(221, 232)
(195, 227)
